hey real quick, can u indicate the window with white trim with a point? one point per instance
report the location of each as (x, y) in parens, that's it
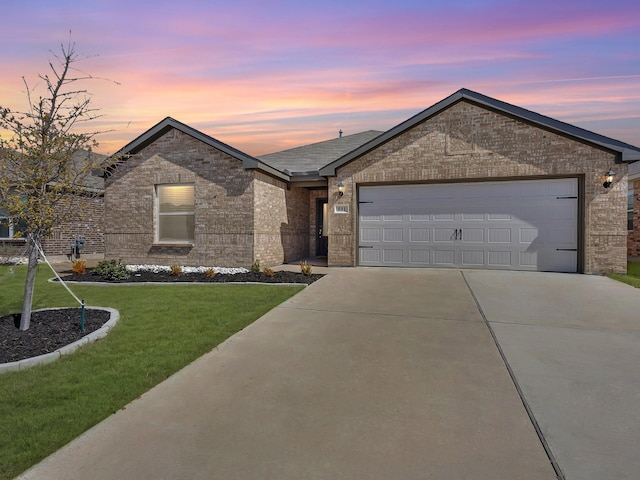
(10, 228)
(175, 213)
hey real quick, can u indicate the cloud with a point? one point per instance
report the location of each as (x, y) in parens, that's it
(272, 73)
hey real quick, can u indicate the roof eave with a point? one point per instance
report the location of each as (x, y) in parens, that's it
(629, 155)
(624, 152)
(263, 167)
(155, 132)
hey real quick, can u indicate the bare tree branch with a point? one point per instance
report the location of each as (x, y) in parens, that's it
(39, 162)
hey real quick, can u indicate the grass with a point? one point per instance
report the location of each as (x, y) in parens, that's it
(632, 277)
(161, 329)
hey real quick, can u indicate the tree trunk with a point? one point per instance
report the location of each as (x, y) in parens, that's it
(32, 249)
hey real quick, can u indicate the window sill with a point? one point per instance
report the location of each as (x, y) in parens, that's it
(173, 245)
(13, 240)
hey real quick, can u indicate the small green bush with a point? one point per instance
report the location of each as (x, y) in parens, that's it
(255, 268)
(111, 270)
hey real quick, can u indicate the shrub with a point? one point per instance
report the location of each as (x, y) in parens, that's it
(305, 268)
(111, 270)
(255, 268)
(176, 270)
(79, 267)
(210, 272)
(269, 272)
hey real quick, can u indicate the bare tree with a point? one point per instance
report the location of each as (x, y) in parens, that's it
(40, 164)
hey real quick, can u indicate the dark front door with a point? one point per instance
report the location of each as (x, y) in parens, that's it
(322, 241)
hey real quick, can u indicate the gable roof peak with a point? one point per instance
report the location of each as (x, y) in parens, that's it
(624, 151)
(162, 127)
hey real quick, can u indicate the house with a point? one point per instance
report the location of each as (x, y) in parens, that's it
(633, 210)
(470, 182)
(83, 217)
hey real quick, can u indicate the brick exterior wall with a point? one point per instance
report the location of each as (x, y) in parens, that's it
(223, 205)
(466, 142)
(633, 240)
(83, 217)
(240, 215)
(281, 221)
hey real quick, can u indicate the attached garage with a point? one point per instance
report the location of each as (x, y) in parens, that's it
(474, 182)
(512, 225)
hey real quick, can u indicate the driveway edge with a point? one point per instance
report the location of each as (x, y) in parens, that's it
(534, 422)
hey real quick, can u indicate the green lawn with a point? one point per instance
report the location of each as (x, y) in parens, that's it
(632, 277)
(162, 328)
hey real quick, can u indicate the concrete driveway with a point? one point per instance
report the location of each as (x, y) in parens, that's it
(573, 343)
(394, 373)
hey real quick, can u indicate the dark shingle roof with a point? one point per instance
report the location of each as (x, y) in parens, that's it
(625, 152)
(168, 123)
(309, 158)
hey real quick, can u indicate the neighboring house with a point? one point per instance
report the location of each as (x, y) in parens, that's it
(470, 182)
(85, 221)
(633, 210)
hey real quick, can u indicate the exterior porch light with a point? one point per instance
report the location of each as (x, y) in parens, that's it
(608, 178)
(340, 188)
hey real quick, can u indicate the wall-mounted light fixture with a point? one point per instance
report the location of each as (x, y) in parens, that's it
(340, 188)
(608, 178)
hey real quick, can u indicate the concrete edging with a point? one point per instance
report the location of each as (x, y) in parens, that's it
(67, 349)
(116, 284)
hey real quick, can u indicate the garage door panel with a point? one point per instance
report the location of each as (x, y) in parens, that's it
(392, 256)
(473, 258)
(473, 216)
(563, 211)
(522, 225)
(419, 234)
(444, 217)
(419, 257)
(392, 235)
(444, 257)
(498, 216)
(562, 237)
(472, 235)
(443, 234)
(370, 256)
(370, 235)
(499, 259)
(499, 235)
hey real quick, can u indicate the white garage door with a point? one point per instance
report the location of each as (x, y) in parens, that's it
(517, 225)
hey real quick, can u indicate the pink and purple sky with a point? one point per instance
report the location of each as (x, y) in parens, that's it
(267, 75)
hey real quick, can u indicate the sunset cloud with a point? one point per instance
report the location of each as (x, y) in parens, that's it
(274, 74)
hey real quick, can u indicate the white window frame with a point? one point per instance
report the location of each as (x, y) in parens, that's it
(4, 222)
(160, 214)
(7, 221)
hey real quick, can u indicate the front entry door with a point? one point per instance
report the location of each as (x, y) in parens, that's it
(322, 241)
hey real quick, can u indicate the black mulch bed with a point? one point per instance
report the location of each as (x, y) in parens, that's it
(52, 329)
(166, 277)
(49, 330)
